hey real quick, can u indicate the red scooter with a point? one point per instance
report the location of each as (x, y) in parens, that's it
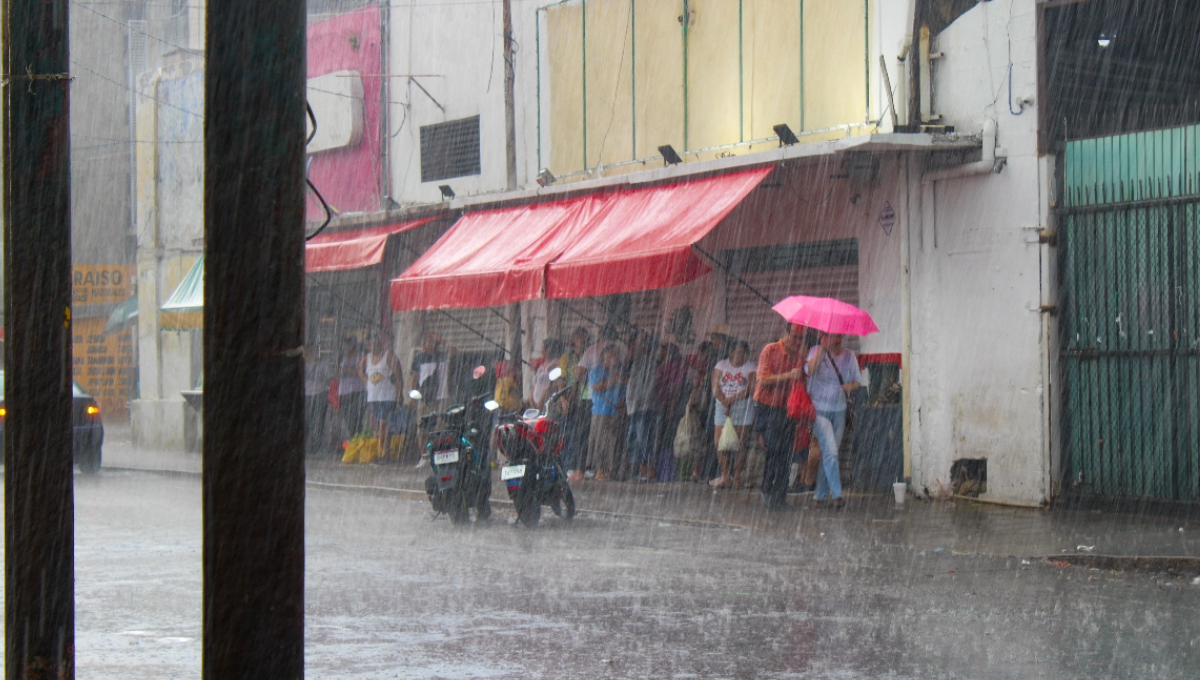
(534, 476)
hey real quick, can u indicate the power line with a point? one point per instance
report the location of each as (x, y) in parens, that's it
(139, 93)
(117, 140)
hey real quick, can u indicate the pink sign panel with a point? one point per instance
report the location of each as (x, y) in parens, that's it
(350, 178)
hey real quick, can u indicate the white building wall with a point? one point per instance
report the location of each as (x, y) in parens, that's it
(170, 226)
(455, 51)
(979, 382)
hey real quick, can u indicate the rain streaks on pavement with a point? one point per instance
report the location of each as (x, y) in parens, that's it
(392, 594)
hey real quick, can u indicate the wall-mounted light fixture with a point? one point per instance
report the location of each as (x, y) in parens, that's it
(786, 136)
(1104, 40)
(447, 192)
(669, 155)
(545, 178)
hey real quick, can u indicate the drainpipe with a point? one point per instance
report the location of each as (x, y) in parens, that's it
(993, 160)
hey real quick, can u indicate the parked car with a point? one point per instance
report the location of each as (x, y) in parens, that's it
(87, 429)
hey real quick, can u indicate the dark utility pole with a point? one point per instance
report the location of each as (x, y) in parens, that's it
(510, 114)
(914, 66)
(39, 532)
(254, 129)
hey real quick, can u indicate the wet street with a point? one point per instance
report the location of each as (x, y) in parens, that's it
(391, 594)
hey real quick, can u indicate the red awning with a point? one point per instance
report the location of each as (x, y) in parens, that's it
(355, 249)
(494, 257)
(643, 238)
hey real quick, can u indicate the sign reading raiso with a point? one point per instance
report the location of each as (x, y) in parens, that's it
(93, 284)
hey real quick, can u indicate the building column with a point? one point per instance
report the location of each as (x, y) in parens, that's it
(39, 549)
(253, 331)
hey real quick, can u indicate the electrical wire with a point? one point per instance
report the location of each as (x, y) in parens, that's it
(328, 213)
(137, 92)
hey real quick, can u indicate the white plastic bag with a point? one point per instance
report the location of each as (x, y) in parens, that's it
(729, 438)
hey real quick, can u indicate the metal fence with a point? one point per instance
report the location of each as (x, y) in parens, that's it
(1130, 316)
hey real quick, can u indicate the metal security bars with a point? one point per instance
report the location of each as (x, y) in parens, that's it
(1130, 345)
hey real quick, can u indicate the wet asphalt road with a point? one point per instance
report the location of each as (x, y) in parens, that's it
(391, 594)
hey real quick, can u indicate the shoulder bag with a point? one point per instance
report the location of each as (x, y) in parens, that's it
(850, 415)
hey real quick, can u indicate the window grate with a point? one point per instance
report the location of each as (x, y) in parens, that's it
(450, 149)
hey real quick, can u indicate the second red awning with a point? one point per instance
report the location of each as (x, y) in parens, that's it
(493, 257)
(643, 238)
(346, 250)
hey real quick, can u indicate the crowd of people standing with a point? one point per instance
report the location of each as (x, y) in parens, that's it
(630, 393)
(628, 400)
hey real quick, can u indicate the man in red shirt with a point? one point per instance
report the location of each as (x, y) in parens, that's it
(780, 368)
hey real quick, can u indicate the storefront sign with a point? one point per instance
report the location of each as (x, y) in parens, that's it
(102, 364)
(93, 284)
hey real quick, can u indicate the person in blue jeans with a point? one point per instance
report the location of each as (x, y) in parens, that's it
(832, 375)
(606, 443)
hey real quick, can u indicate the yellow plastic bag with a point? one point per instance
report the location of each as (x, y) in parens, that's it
(361, 450)
(369, 452)
(352, 448)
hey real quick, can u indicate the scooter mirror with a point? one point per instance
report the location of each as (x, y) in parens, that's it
(491, 404)
(415, 395)
(555, 374)
(478, 372)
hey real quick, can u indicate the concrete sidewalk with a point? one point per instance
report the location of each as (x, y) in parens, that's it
(956, 526)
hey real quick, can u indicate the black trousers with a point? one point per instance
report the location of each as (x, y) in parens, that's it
(778, 433)
(316, 437)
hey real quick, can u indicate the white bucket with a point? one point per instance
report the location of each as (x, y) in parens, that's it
(900, 489)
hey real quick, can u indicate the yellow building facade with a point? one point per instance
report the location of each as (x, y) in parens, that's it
(708, 77)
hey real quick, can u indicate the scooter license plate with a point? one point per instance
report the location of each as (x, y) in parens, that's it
(512, 472)
(445, 457)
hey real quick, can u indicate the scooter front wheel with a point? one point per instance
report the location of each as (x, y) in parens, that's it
(530, 514)
(568, 504)
(564, 505)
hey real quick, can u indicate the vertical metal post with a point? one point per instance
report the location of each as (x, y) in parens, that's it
(685, 20)
(537, 52)
(510, 114)
(39, 558)
(254, 129)
(741, 79)
(801, 65)
(633, 78)
(583, 43)
(385, 107)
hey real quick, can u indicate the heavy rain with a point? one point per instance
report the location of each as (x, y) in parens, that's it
(601, 338)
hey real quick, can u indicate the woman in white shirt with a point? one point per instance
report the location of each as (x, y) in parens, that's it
(832, 375)
(732, 386)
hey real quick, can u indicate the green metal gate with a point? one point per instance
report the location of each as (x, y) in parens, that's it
(1129, 248)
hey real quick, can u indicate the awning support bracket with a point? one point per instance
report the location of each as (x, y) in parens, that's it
(730, 272)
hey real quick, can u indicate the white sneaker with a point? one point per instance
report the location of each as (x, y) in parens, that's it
(423, 463)
(590, 474)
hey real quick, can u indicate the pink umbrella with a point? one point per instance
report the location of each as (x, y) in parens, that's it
(826, 314)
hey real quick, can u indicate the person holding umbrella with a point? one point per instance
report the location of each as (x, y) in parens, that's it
(832, 375)
(779, 370)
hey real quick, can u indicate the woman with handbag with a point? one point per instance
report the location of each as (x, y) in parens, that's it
(832, 376)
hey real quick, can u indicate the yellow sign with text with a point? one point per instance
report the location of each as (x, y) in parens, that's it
(103, 365)
(93, 284)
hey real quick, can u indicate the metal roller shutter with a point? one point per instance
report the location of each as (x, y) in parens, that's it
(643, 309)
(462, 328)
(828, 269)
